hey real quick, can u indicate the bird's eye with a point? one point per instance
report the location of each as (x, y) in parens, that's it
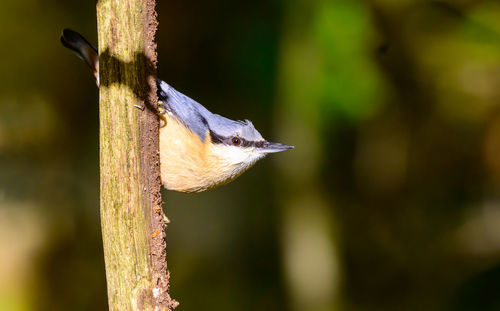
(236, 141)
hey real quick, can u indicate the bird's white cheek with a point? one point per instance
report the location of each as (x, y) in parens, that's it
(231, 155)
(237, 158)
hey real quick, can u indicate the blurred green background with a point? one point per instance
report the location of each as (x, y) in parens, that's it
(389, 201)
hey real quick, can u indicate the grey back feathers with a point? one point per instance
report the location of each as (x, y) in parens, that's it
(198, 119)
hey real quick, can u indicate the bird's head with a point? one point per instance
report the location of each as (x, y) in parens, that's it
(238, 145)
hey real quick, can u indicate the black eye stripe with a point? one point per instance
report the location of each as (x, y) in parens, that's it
(258, 144)
(245, 143)
(218, 139)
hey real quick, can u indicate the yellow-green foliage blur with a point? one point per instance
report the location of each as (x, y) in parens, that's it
(389, 201)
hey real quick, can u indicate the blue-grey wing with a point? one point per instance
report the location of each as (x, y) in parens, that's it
(189, 112)
(198, 119)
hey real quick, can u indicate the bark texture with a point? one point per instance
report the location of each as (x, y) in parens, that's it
(132, 218)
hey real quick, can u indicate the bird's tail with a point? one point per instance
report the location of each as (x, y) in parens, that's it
(83, 49)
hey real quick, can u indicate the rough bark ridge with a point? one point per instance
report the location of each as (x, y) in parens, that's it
(132, 219)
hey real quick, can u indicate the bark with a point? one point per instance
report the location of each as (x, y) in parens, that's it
(132, 218)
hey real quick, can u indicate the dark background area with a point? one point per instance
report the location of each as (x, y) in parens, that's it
(389, 200)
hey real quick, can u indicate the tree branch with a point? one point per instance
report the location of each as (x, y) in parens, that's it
(131, 207)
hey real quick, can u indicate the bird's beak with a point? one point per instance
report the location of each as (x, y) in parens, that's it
(269, 147)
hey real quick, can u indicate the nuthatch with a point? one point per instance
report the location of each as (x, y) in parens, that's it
(199, 150)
